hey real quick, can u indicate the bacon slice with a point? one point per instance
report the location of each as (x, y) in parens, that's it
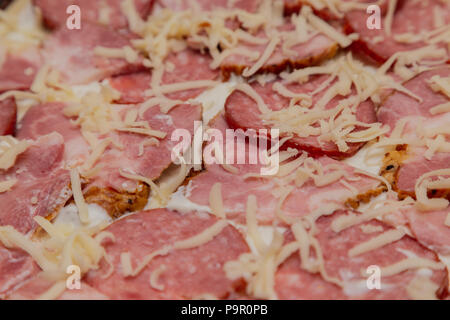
(8, 113)
(187, 274)
(71, 52)
(108, 188)
(188, 65)
(348, 270)
(54, 13)
(42, 184)
(414, 17)
(243, 112)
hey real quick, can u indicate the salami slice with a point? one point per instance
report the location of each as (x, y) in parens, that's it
(209, 5)
(187, 65)
(8, 112)
(242, 111)
(237, 185)
(346, 259)
(42, 186)
(179, 273)
(38, 285)
(406, 164)
(18, 70)
(315, 50)
(333, 11)
(430, 229)
(17, 267)
(72, 53)
(139, 155)
(109, 12)
(411, 21)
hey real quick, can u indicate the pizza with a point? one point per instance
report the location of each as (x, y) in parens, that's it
(224, 149)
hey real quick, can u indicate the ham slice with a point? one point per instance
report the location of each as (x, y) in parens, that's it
(243, 112)
(71, 52)
(411, 17)
(188, 65)
(335, 247)
(54, 13)
(187, 273)
(42, 186)
(8, 113)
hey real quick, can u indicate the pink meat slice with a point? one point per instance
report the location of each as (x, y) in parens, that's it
(399, 106)
(8, 113)
(188, 273)
(294, 6)
(38, 285)
(429, 228)
(71, 52)
(47, 118)
(243, 112)
(40, 174)
(18, 70)
(54, 12)
(417, 165)
(16, 267)
(188, 65)
(314, 51)
(338, 264)
(209, 5)
(302, 201)
(410, 17)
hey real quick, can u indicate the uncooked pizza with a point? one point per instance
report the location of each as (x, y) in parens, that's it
(224, 149)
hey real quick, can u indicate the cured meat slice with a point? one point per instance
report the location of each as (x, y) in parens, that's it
(344, 261)
(108, 187)
(242, 111)
(16, 267)
(430, 229)
(421, 126)
(54, 13)
(187, 65)
(18, 70)
(8, 112)
(72, 53)
(42, 185)
(315, 50)
(399, 105)
(302, 200)
(209, 5)
(38, 285)
(178, 274)
(294, 283)
(325, 12)
(411, 23)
